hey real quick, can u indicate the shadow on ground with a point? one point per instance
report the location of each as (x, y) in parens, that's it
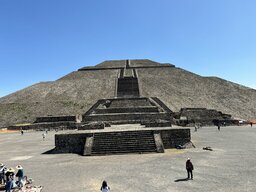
(179, 180)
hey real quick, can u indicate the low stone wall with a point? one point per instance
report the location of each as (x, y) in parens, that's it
(48, 126)
(74, 143)
(146, 109)
(91, 126)
(174, 137)
(157, 124)
(131, 116)
(56, 119)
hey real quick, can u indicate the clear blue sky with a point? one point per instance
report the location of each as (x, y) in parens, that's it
(45, 39)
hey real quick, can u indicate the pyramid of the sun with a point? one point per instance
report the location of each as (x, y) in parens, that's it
(76, 92)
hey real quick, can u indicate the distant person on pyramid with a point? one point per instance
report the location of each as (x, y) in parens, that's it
(105, 187)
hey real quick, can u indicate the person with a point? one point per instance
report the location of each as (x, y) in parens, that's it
(195, 127)
(14, 183)
(218, 126)
(105, 187)
(43, 136)
(190, 168)
(21, 132)
(251, 124)
(9, 173)
(9, 184)
(20, 175)
(2, 172)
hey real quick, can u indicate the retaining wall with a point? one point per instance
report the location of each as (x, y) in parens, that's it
(74, 143)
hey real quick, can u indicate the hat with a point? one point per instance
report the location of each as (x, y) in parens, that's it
(19, 167)
(11, 170)
(1, 164)
(188, 159)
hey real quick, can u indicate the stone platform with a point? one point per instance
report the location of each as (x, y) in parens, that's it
(121, 139)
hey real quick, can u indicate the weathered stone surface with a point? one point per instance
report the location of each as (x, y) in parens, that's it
(74, 142)
(192, 116)
(92, 125)
(46, 126)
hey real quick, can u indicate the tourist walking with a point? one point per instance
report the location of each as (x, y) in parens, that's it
(190, 168)
(43, 136)
(196, 127)
(105, 187)
(20, 175)
(219, 127)
(251, 124)
(2, 173)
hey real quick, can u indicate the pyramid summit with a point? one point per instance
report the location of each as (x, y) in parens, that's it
(78, 91)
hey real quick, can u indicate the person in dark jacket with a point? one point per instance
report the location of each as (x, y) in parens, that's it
(190, 168)
(9, 173)
(20, 175)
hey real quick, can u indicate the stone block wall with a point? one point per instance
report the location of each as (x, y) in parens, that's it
(74, 143)
(56, 119)
(48, 126)
(70, 143)
(174, 137)
(130, 116)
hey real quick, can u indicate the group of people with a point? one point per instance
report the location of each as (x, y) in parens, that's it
(9, 179)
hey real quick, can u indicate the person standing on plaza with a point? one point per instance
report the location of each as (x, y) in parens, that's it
(9, 184)
(20, 175)
(190, 168)
(2, 173)
(43, 136)
(105, 187)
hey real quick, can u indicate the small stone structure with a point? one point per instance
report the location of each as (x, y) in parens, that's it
(116, 142)
(190, 116)
(127, 110)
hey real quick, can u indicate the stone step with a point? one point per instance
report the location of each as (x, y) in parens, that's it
(126, 116)
(98, 150)
(130, 102)
(124, 148)
(127, 86)
(123, 142)
(127, 110)
(120, 152)
(129, 139)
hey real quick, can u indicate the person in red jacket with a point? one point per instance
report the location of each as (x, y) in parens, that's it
(190, 168)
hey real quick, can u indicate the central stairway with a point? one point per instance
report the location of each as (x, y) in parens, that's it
(123, 142)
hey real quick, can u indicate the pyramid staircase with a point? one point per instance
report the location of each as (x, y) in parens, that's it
(119, 142)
